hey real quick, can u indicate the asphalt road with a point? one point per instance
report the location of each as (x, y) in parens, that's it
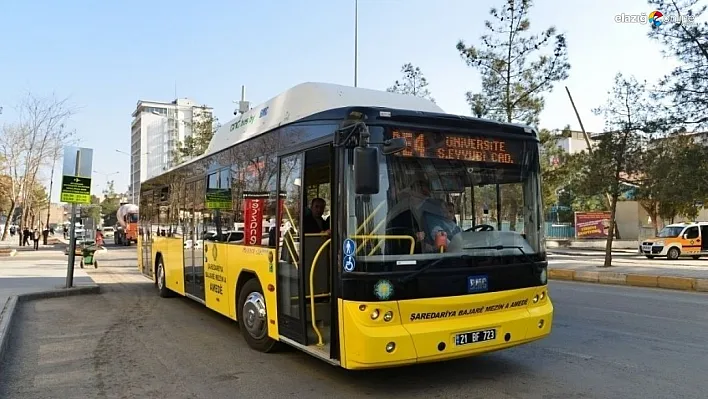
(607, 342)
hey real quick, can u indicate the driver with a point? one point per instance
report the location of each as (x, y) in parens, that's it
(444, 227)
(405, 216)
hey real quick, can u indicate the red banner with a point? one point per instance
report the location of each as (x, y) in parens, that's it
(254, 204)
(592, 224)
(281, 207)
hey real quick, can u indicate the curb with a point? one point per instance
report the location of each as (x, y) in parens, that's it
(573, 253)
(631, 279)
(11, 252)
(8, 312)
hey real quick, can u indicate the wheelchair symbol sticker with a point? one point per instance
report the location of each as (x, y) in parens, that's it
(349, 264)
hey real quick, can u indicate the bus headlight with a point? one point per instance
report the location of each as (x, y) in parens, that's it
(388, 316)
(390, 347)
(544, 276)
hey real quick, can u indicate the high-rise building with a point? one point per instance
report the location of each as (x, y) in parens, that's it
(156, 130)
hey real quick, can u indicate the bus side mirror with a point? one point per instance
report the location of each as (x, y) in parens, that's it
(393, 146)
(366, 170)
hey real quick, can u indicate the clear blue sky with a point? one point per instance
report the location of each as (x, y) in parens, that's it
(108, 55)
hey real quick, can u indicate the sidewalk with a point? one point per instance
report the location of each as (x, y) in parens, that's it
(591, 251)
(648, 274)
(35, 278)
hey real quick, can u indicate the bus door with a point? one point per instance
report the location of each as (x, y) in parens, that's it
(304, 269)
(201, 215)
(190, 241)
(290, 275)
(316, 246)
(145, 230)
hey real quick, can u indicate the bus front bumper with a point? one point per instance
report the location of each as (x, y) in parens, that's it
(408, 342)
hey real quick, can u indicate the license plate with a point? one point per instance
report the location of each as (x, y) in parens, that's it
(646, 247)
(474, 337)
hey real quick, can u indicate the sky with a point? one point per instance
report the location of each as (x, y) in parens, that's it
(105, 56)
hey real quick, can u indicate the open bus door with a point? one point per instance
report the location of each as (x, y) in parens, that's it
(305, 271)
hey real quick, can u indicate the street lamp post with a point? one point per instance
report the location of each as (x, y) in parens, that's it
(356, 41)
(106, 175)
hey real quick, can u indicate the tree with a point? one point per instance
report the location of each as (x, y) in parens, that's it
(5, 190)
(512, 83)
(671, 179)
(45, 119)
(31, 144)
(617, 159)
(687, 85)
(110, 205)
(558, 167)
(36, 200)
(200, 132)
(92, 211)
(413, 83)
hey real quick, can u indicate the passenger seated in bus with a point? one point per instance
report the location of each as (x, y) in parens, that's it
(313, 221)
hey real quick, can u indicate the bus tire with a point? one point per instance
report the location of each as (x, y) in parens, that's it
(673, 253)
(162, 289)
(252, 317)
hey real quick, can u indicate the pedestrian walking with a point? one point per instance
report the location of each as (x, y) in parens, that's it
(35, 238)
(99, 238)
(27, 235)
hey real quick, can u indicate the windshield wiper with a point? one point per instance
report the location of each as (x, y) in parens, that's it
(429, 266)
(500, 247)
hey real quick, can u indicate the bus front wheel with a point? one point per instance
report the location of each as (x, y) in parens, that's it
(253, 318)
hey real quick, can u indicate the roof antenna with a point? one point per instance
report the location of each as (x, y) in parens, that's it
(243, 105)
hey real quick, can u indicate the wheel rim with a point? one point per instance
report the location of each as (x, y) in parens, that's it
(160, 275)
(254, 315)
(674, 253)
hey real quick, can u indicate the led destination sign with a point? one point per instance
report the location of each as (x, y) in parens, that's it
(463, 148)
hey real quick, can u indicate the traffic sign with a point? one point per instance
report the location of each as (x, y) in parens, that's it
(76, 172)
(76, 190)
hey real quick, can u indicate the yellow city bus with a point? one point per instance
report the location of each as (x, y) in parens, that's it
(368, 229)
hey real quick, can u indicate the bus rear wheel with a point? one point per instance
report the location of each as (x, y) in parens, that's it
(161, 281)
(253, 318)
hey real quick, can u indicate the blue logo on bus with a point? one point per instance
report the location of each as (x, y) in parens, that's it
(477, 283)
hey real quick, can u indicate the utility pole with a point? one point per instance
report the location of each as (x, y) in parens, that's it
(587, 141)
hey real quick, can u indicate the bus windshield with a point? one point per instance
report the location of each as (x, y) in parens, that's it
(449, 195)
